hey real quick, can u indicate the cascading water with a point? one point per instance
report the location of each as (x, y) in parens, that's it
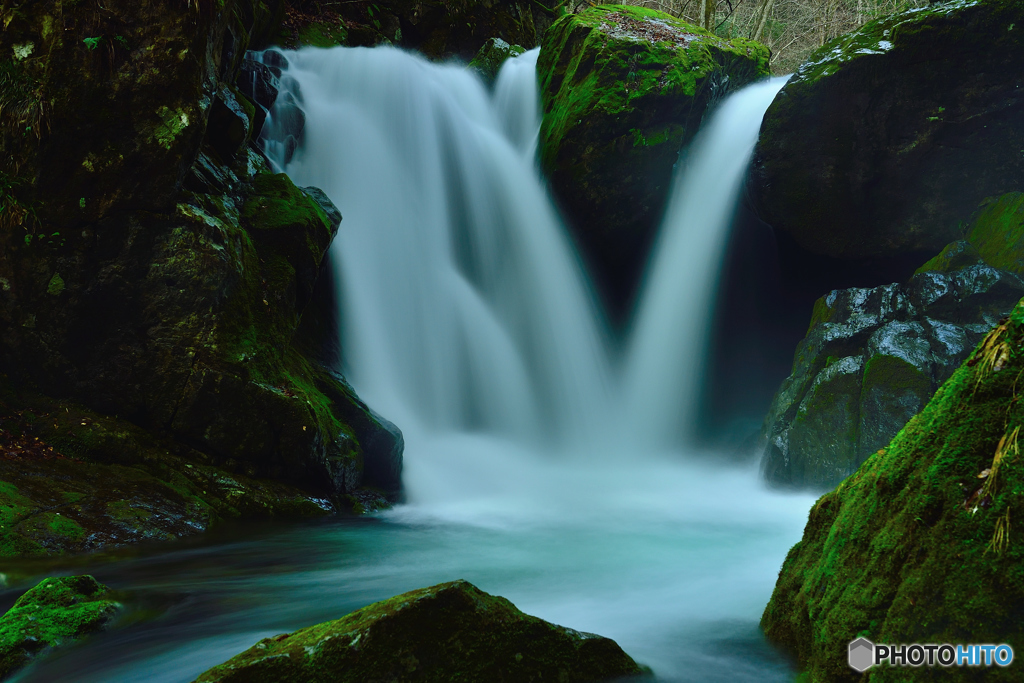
(664, 365)
(533, 470)
(464, 308)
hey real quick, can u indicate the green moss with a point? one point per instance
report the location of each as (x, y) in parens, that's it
(622, 54)
(902, 550)
(955, 255)
(876, 38)
(448, 632)
(55, 612)
(323, 34)
(997, 232)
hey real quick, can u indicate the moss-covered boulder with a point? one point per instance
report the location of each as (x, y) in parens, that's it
(624, 89)
(870, 361)
(56, 612)
(994, 235)
(888, 137)
(491, 56)
(918, 545)
(448, 632)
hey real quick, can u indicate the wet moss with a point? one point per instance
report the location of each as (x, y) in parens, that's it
(449, 632)
(623, 89)
(55, 612)
(907, 549)
(954, 256)
(997, 232)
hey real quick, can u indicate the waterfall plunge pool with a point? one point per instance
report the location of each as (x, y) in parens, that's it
(539, 466)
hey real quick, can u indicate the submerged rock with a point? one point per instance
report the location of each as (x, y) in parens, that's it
(888, 136)
(624, 89)
(448, 632)
(870, 361)
(917, 545)
(55, 612)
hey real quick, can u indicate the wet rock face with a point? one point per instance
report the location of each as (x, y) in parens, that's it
(56, 612)
(870, 361)
(623, 90)
(449, 632)
(916, 546)
(889, 136)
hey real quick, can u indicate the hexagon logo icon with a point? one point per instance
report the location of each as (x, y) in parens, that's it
(862, 654)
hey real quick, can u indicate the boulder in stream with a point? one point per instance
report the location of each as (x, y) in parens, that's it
(624, 88)
(448, 632)
(56, 612)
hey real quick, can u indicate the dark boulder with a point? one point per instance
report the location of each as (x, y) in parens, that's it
(870, 361)
(889, 136)
(449, 632)
(623, 90)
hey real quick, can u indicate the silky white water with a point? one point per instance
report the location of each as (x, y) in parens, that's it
(537, 465)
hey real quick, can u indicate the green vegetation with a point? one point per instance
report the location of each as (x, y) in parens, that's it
(55, 612)
(918, 544)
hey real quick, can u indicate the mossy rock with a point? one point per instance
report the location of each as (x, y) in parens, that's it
(887, 138)
(73, 480)
(917, 545)
(448, 632)
(56, 612)
(994, 235)
(624, 89)
(492, 55)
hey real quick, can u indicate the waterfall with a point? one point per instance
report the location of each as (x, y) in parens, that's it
(668, 345)
(464, 306)
(466, 313)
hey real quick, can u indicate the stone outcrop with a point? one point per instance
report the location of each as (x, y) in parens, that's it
(918, 545)
(153, 268)
(870, 361)
(889, 136)
(624, 89)
(56, 612)
(449, 632)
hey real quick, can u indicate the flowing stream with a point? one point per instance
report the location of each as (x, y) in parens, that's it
(541, 464)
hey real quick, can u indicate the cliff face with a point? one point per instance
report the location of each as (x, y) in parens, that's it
(154, 271)
(917, 545)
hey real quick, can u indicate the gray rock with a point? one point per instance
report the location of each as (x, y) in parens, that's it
(870, 361)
